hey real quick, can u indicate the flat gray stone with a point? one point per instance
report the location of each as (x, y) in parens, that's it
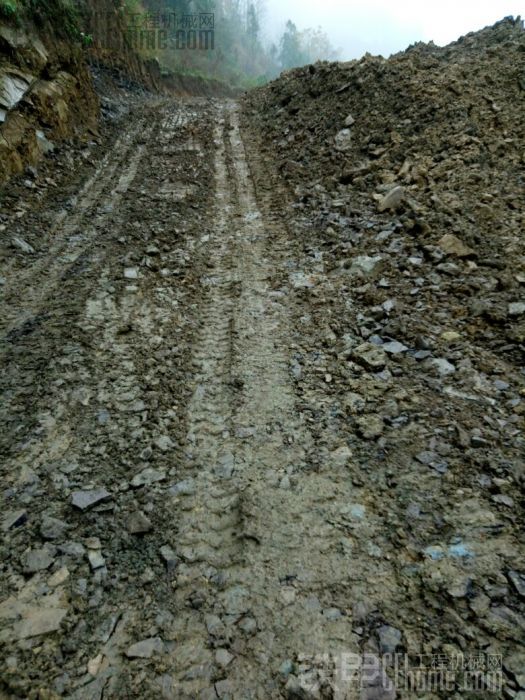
(518, 581)
(38, 559)
(517, 308)
(38, 621)
(52, 528)
(84, 500)
(392, 199)
(389, 639)
(147, 477)
(138, 523)
(14, 518)
(369, 356)
(394, 347)
(145, 649)
(22, 245)
(365, 264)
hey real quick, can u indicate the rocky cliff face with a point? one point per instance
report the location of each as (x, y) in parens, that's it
(104, 22)
(46, 94)
(46, 88)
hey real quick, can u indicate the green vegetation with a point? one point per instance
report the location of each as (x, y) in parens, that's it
(9, 8)
(61, 14)
(240, 56)
(231, 49)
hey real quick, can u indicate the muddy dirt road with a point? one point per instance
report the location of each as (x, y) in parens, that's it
(184, 511)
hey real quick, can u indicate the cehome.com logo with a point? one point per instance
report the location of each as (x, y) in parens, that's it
(181, 40)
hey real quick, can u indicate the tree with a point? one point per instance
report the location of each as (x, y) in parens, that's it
(290, 54)
(317, 47)
(253, 26)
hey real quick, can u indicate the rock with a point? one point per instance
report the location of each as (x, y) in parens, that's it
(369, 356)
(52, 528)
(514, 664)
(95, 558)
(147, 477)
(422, 355)
(341, 456)
(214, 625)
(94, 665)
(349, 121)
(443, 366)
(145, 649)
(22, 245)
(38, 559)
(38, 621)
(365, 265)
(169, 556)
(343, 140)
(85, 500)
(285, 483)
(355, 511)
(354, 403)
(223, 689)
(59, 577)
(392, 199)
(517, 308)
(503, 500)
(131, 273)
(480, 604)
(394, 347)
(452, 245)
(450, 336)
(389, 639)
(72, 549)
(13, 87)
(223, 657)
(501, 385)
(248, 625)
(518, 581)
(183, 488)
(426, 457)
(460, 587)
(138, 523)
(43, 142)
(300, 689)
(370, 427)
(164, 443)
(13, 519)
(286, 668)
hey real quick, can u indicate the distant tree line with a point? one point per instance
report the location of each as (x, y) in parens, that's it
(240, 55)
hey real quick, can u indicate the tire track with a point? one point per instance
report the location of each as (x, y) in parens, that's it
(96, 202)
(251, 589)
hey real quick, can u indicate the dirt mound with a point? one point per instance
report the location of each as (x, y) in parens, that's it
(436, 136)
(401, 182)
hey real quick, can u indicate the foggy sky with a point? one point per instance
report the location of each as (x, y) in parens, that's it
(387, 26)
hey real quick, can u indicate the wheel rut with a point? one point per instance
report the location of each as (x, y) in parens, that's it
(252, 532)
